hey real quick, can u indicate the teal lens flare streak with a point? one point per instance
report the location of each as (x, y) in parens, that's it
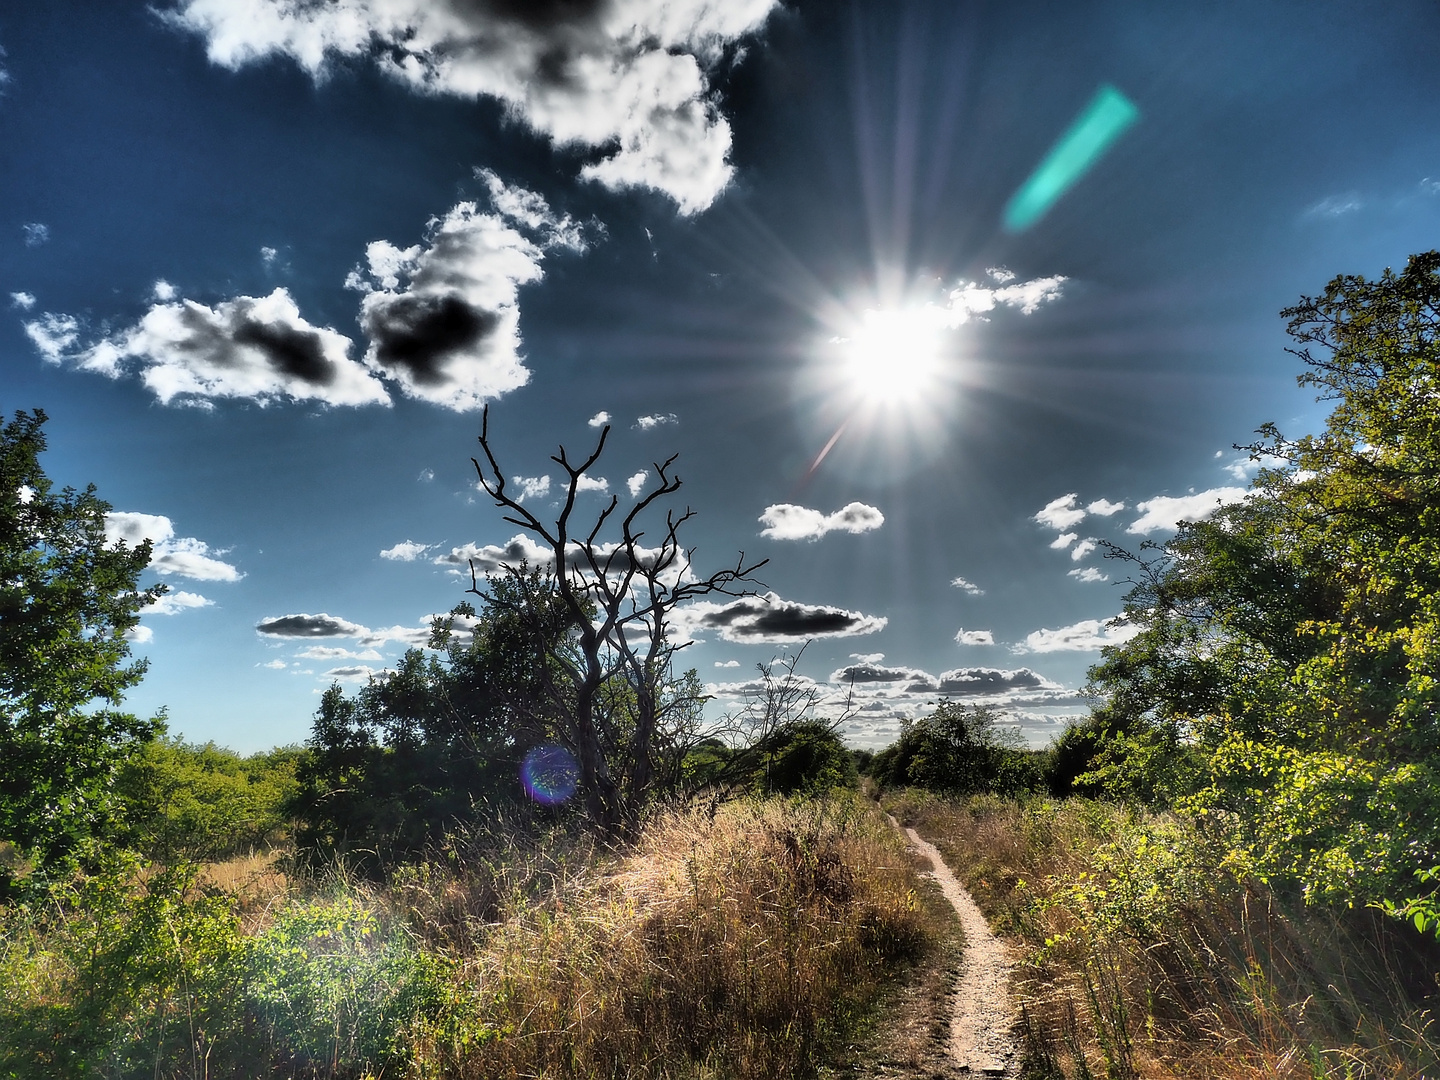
(1107, 117)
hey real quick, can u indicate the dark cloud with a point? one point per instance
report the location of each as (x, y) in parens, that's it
(988, 682)
(308, 626)
(769, 618)
(289, 350)
(419, 332)
(875, 673)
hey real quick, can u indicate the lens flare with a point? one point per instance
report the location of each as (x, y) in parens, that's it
(550, 774)
(1107, 117)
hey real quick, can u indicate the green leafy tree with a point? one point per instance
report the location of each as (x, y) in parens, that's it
(960, 751)
(1292, 642)
(67, 599)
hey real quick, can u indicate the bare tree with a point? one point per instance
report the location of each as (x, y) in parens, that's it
(610, 689)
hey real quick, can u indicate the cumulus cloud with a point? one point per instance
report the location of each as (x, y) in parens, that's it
(769, 618)
(974, 299)
(493, 558)
(443, 316)
(1059, 514)
(1087, 573)
(975, 637)
(636, 483)
(172, 603)
(1104, 507)
(1167, 511)
(872, 671)
(584, 483)
(969, 588)
(600, 419)
(308, 626)
(274, 665)
(1064, 540)
(654, 420)
(181, 556)
(531, 487)
(356, 673)
(405, 551)
(35, 233)
(140, 635)
(1245, 468)
(727, 663)
(258, 348)
(162, 290)
(22, 300)
(1083, 548)
(628, 78)
(991, 682)
(268, 255)
(785, 521)
(1088, 635)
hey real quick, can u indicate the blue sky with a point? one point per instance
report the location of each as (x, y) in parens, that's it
(261, 262)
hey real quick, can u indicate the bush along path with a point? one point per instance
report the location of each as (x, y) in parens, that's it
(982, 1018)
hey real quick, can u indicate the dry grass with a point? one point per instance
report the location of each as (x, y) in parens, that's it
(747, 945)
(1146, 959)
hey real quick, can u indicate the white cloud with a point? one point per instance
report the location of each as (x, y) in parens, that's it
(443, 316)
(972, 299)
(727, 663)
(1083, 548)
(268, 255)
(1087, 573)
(1064, 540)
(405, 551)
(493, 558)
(584, 483)
(975, 637)
(25, 494)
(172, 603)
(1088, 635)
(1430, 186)
(22, 300)
(636, 483)
(333, 652)
(1335, 206)
(1243, 469)
(630, 78)
(785, 521)
(967, 587)
(600, 419)
(867, 657)
(1061, 513)
(355, 673)
(258, 348)
(1166, 511)
(35, 233)
(654, 420)
(182, 556)
(274, 665)
(163, 291)
(425, 476)
(140, 634)
(1104, 507)
(53, 335)
(531, 487)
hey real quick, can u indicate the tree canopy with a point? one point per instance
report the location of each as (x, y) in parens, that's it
(1291, 642)
(67, 600)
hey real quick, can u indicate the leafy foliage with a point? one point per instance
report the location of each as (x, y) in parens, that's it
(204, 802)
(958, 751)
(66, 602)
(1291, 643)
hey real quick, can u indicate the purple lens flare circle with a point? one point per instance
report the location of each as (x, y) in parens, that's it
(550, 774)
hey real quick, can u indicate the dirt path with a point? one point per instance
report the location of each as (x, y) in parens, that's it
(981, 1016)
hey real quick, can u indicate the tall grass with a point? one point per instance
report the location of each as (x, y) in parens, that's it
(1145, 956)
(746, 943)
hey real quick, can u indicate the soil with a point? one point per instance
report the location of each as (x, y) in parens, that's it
(982, 1018)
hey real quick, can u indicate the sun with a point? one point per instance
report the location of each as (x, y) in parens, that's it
(893, 356)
